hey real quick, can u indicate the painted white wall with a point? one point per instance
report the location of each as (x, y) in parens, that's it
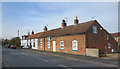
(23, 42)
(29, 42)
(36, 43)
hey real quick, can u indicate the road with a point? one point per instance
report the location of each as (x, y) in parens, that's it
(0, 56)
(24, 58)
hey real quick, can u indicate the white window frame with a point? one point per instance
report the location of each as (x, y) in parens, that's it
(48, 44)
(76, 49)
(49, 38)
(109, 45)
(40, 44)
(62, 45)
(95, 29)
(40, 39)
(107, 37)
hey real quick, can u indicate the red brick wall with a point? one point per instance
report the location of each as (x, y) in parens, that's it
(99, 40)
(67, 44)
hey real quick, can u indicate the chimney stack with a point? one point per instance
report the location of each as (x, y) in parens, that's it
(45, 29)
(28, 33)
(76, 20)
(63, 23)
(32, 32)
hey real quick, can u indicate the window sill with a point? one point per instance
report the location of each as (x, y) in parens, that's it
(74, 50)
(61, 49)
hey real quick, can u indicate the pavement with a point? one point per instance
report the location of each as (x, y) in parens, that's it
(113, 56)
(32, 58)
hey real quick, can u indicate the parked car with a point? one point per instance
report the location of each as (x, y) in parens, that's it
(13, 46)
(25, 47)
(9, 46)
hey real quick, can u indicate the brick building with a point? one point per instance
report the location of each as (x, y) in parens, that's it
(76, 38)
(116, 36)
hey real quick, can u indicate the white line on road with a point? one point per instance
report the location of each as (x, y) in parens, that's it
(41, 59)
(63, 66)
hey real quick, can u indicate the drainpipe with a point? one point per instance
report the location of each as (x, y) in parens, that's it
(44, 44)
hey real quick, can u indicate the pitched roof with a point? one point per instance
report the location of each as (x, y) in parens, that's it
(115, 34)
(68, 30)
(34, 35)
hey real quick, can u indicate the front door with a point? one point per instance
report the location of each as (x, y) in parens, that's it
(54, 46)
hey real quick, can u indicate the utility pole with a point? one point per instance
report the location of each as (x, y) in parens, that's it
(18, 38)
(18, 33)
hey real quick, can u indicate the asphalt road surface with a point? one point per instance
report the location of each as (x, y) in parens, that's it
(24, 58)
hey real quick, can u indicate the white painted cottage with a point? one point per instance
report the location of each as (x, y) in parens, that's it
(32, 40)
(24, 41)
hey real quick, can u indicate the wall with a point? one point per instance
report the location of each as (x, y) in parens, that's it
(99, 40)
(36, 43)
(24, 43)
(67, 44)
(28, 43)
(94, 52)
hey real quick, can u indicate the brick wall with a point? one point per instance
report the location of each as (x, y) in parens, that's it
(67, 44)
(99, 40)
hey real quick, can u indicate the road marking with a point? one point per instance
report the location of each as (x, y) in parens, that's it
(83, 60)
(63, 66)
(41, 59)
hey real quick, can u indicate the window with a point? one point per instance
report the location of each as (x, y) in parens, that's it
(34, 43)
(48, 44)
(117, 38)
(61, 45)
(109, 45)
(40, 39)
(74, 45)
(49, 38)
(94, 29)
(107, 37)
(100, 28)
(40, 42)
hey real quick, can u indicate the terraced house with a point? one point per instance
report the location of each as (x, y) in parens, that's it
(77, 38)
(116, 36)
(32, 40)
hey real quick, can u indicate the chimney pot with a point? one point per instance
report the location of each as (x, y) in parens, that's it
(32, 32)
(63, 23)
(45, 29)
(76, 20)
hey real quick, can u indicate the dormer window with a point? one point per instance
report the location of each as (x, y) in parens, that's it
(95, 29)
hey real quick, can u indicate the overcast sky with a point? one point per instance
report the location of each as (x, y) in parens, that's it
(28, 16)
